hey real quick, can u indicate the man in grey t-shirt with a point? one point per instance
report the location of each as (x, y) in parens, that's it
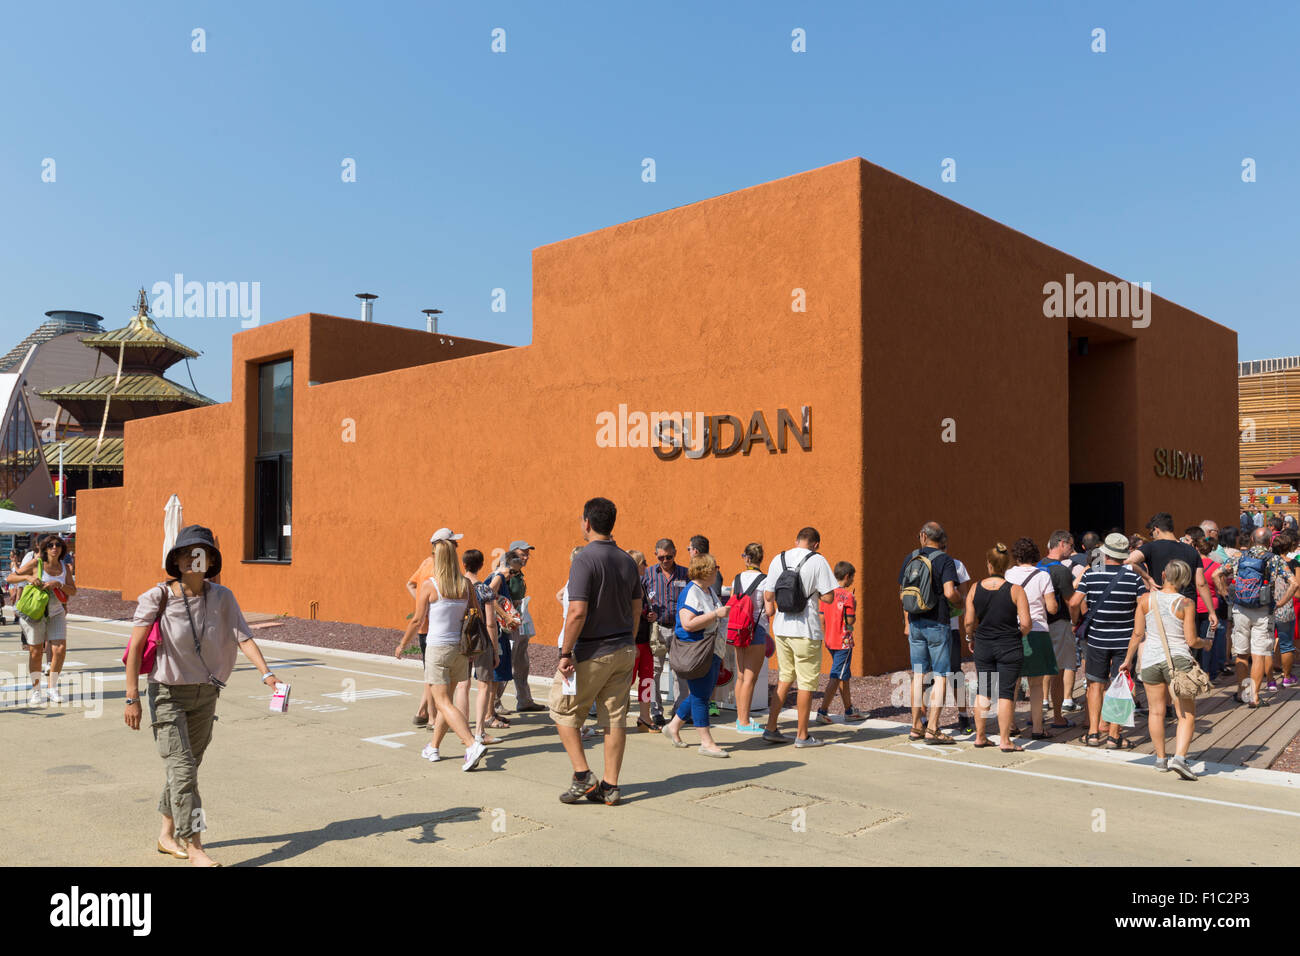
(597, 652)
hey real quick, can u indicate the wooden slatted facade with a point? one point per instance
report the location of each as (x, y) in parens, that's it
(1268, 404)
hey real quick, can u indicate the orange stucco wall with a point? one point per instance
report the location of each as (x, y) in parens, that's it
(917, 310)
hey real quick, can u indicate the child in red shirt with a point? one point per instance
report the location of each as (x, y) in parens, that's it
(839, 617)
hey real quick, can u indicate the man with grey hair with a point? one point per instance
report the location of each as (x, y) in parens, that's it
(925, 624)
(1211, 529)
(664, 581)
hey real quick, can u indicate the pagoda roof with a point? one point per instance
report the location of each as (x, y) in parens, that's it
(78, 453)
(149, 347)
(135, 336)
(132, 388)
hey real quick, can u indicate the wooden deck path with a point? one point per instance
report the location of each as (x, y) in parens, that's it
(1226, 732)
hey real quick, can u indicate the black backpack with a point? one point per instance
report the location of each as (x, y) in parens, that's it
(790, 596)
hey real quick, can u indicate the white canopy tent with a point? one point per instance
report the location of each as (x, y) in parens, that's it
(15, 522)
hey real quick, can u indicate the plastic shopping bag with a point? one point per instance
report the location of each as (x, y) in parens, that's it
(1117, 706)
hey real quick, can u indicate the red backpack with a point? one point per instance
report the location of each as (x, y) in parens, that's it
(744, 616)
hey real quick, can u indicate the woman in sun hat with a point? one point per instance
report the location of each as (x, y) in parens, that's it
(200, 624)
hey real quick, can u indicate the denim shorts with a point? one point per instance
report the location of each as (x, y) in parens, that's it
(841, 668)
(929, 644)
(1285, 636)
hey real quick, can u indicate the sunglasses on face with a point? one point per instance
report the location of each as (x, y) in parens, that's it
(665, 557)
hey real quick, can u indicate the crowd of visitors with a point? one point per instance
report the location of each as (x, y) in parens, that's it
(1155, 604)
(1169, 608)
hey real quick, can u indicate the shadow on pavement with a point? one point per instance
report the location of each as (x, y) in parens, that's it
(304, 841)
(703, 780)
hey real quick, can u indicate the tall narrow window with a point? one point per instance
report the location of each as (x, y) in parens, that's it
(273, 465)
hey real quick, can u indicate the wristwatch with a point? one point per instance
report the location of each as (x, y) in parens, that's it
(130, 701)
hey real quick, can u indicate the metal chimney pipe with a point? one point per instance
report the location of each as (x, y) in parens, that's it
(367, 306)
(431, 319)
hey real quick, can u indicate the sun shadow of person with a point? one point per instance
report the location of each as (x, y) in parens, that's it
(303, 841)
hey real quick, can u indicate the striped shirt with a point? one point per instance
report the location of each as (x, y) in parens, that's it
(662, 591)
(1111, 625)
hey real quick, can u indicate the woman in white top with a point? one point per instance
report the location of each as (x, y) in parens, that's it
(47, 572)
(701, 614)
(1179, 618)
(1040, 656)
(749, 660)
(447, 597)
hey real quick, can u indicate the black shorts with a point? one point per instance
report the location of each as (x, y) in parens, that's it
(997, 666)
(954, 652)
(1103, 663)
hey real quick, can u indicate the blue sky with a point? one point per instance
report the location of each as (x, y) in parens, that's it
(226, 165)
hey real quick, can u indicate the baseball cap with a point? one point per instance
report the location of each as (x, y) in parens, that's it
(521, 546)
(444, 534)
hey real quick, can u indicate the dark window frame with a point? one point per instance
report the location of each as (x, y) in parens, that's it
(275, 465)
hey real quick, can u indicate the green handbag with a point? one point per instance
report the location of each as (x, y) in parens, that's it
(32, 603)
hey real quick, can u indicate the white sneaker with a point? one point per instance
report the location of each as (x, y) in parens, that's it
(36, 699)
(474, 755)
(430, 753)
(53, 695)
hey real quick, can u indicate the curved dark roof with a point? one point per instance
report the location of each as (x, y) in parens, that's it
(58, 323)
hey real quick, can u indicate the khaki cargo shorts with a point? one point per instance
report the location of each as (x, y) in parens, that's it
(606, 680)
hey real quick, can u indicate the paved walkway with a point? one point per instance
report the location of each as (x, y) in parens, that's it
(338, 781)
(1226, 732)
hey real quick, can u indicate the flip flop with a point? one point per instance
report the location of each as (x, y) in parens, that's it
(1042, 736)
(1061, 726)
(987, 743)
(1013, 749)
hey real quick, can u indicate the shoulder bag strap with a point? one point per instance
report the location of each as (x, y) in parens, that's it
(749, 592)
(1114, 580)
(1160, 626)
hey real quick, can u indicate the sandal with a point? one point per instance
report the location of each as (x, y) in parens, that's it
(1013, 749)
(645, 727)
(987, 743)
(913, 735)
(1063, 725)
(1118, 743)
(499, 723)
(1092, 740)
(933, 737)
(1043, 736)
